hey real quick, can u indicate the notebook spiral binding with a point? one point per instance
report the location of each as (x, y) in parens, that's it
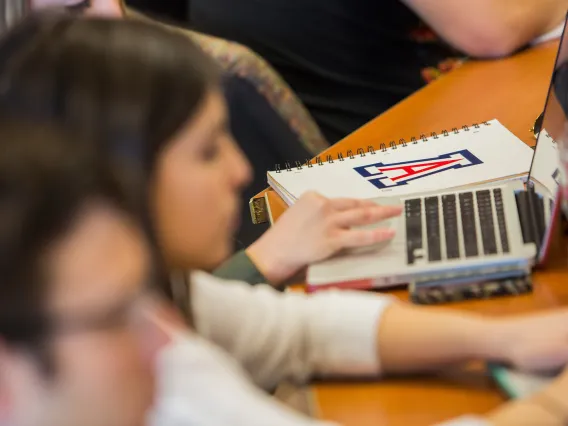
(383, 147)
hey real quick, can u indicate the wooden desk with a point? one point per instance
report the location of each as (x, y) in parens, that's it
(514, 91)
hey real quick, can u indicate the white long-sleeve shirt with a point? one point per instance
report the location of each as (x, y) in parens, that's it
(257, 336)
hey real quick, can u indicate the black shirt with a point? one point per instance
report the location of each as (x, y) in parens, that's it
(348, 60)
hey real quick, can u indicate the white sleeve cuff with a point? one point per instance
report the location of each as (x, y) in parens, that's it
(348, 333)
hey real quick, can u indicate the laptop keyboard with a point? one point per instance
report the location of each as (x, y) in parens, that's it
(533, 226)
(413, 213)
(487, 225)
(467, 209)
(450, 213)
(456, 226)
(433, 229)
(498, 196)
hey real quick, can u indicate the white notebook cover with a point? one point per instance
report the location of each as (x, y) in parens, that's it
(457, 158)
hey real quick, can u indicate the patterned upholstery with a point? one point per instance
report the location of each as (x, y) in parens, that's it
(239, 60)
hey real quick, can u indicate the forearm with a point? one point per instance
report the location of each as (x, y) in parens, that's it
(415, 338)
(490, 28)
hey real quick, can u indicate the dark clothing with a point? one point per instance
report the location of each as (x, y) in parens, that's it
(265, 139)
(348, 60)
(174, 10)
(240, 267)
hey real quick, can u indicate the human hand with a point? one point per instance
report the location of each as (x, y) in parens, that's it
(536, 342)
(316, 228)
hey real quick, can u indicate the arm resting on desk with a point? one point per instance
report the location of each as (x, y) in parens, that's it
(200, 384)
(278, 336)
(413, 338)
(288, 336)
(490, 28)
(293, 336)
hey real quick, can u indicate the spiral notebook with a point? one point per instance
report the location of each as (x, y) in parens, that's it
(453, 158)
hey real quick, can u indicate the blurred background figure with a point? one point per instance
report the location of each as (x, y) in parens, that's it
(268, 121)
(350, 60)
(75, 266)
(175, 10)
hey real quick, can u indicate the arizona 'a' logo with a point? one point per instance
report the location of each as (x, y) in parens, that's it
(395, 174)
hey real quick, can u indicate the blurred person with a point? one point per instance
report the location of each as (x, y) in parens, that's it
(262, 132)
(309, 231)
(85, 337)
(73, 265)
(58, 70)
(351, 60)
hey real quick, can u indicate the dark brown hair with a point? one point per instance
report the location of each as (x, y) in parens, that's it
(45, 182)
(124, 87)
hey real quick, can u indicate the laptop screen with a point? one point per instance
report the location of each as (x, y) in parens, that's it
(547, 171)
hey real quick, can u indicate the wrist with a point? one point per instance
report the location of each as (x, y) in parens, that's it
(271, 263)
(501, 341)
(490, 340)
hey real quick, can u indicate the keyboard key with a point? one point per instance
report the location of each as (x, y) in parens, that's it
(486, 222)
(523, 207)
(468, 224)
(498, 197)
(450, 213)
(538, 202)
(431, 205)
(413, 216)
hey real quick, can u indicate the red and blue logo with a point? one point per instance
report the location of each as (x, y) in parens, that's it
(384, 175)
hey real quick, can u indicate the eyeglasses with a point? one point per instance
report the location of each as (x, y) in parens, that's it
(117, 315)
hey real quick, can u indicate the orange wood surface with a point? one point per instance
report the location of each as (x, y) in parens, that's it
(512, 90)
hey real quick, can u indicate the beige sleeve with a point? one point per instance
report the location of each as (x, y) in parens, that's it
(277, 336)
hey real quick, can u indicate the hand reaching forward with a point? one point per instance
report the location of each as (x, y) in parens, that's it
(535, 342)
(316, 228)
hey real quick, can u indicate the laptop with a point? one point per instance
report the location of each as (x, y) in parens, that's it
(494, 229)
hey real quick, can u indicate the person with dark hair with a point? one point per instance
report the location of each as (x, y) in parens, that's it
(164, 95)
(269, 123)
(75, 269)
(93, 77)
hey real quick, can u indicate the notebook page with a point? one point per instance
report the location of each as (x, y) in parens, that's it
(448, 161)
